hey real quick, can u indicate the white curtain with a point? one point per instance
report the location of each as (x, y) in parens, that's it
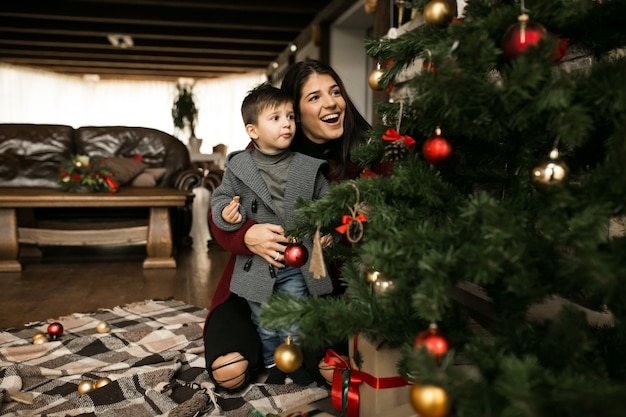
(33, 96)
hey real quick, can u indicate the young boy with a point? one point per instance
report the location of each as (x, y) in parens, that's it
(262, 184)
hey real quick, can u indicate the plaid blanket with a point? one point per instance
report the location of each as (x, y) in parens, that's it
(154, 357)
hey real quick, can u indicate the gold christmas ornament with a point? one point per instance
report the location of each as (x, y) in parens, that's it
(553, 172)
(39, 338)
(102, 382)
(550, 173)
(382, 284)
(429, 401)
(372, 275)
(288, 356)
(103, 327)
(85, 386)
(374, 78)
(438, 13)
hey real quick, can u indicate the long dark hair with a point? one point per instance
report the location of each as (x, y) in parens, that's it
(355, 127)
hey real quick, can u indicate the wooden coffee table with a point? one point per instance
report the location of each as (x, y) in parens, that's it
(157, 234)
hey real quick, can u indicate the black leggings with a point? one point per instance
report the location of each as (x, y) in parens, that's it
(229, 328)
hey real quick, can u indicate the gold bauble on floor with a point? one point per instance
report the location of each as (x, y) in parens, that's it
(39, 338)
(85, 386)
(103, 327)
(102, 382)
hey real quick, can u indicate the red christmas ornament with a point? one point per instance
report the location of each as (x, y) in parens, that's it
(437, 149)
(368, 173)
(436, 344)
(520, 36)
(296, 254)
(55, 330)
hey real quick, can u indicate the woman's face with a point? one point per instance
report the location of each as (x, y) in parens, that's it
(322, 109)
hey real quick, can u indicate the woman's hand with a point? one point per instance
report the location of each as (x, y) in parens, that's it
(266, 240)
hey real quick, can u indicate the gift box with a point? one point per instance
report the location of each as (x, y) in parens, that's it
(405, 410)
(375, 387)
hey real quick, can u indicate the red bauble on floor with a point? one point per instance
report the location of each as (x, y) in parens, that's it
(55, 330)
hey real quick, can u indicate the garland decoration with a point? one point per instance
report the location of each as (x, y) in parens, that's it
(83, 174)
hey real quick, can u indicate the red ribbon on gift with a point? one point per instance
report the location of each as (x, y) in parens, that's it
(346, 220)
(392, 135)
(346, 382)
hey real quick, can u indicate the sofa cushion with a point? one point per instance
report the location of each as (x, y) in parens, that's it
(149, 177)
(157, 149)
(31, 154)
(124, 169)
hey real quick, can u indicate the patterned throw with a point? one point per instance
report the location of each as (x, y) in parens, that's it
(154, 357)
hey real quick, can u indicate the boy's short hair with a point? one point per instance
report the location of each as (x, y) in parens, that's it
(259, 98)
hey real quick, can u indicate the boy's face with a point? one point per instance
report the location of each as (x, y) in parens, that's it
(274, 129)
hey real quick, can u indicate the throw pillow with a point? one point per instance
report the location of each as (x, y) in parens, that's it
(148, 178)
(124, 169)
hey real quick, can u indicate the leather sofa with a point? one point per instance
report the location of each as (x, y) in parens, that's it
(31, 155)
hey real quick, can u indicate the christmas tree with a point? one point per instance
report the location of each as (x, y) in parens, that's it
(501, 217)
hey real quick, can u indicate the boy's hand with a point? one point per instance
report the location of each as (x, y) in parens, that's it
(231, 214)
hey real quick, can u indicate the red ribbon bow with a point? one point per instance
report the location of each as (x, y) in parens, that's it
(346, 220)
(346, 382)
(392, 135)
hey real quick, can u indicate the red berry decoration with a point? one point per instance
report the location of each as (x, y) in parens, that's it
(55, 330)
(520, 36)
(296, 254)
(437, 149)
(436, 344)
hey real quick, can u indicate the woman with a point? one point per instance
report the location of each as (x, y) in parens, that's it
(328, 127)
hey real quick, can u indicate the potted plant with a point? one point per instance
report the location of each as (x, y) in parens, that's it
(185, 114)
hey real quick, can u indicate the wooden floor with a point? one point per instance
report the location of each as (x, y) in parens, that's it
(81, 280)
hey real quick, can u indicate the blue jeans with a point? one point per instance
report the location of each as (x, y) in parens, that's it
(288, 280)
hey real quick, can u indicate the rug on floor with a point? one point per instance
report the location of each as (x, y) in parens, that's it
(153, 355)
